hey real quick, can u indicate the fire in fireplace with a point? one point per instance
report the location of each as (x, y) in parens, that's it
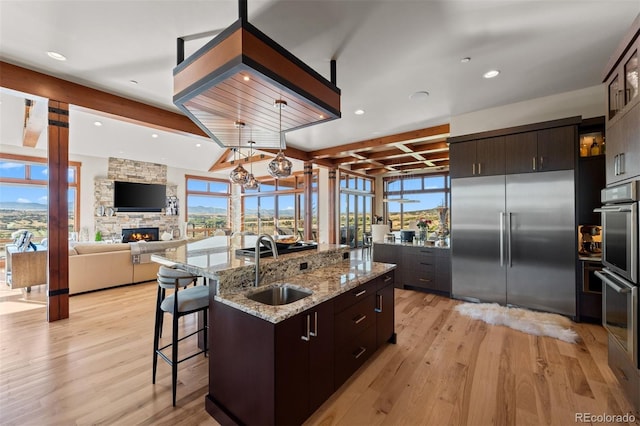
(131, 235)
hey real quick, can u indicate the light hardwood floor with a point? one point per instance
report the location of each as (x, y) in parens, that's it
(95, 368)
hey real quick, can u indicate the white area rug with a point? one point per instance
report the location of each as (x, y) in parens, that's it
(537, 323)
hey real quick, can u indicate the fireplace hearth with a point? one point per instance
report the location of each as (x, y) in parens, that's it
(132, 235)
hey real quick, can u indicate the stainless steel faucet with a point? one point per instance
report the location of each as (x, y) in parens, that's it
(274, 250)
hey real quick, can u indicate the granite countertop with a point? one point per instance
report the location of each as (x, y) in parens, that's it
(430, 244)
(213, 256)
(327, 276)
(325, 283)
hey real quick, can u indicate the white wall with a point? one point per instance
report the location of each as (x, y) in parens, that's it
(588, 102)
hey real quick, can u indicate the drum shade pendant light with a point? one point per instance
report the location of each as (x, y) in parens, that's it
(280, 167)
(239, 175)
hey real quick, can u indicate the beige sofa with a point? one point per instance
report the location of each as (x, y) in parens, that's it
(96, 266)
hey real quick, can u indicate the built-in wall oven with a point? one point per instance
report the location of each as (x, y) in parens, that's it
(620, 267)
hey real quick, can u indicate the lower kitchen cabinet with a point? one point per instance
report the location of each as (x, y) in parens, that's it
(304, 363)
(427, 268)
(389, 253)
(265, 373)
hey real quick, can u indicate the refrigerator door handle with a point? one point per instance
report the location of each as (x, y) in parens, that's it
(509, 240)
(501, 218)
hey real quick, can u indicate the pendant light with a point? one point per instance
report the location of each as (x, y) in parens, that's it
(401, 199)
(239, 175)
(252, 183)
(280, 167)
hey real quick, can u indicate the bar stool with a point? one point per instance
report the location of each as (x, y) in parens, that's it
(183, 301)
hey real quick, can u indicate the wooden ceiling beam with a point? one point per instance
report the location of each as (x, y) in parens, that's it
(106, 104)
(35, 121)
(382, 141)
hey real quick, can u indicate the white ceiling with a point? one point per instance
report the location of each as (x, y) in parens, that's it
(385, 51)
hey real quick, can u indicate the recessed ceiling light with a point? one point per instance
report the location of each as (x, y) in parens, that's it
(358, 112)
(422, 95)
(246, 78)
(97, 123)
(491, 74)
(57, 56)
(321, 116)
(133, 81)
(154, 135)
(465, 60)
(198, 145)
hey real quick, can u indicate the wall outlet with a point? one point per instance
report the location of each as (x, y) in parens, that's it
(303, 266)
(345, 255)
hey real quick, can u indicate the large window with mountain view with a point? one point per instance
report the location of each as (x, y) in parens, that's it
(278, 206)
(207, 206)
(409, 198)
(356, 208)
(24, 196)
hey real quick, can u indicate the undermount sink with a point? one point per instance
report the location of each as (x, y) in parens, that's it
(281, 294)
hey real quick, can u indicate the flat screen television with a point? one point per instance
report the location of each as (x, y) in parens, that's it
(139, 197)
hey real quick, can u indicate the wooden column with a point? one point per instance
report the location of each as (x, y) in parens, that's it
(58, 216)
(308, 206)
(333, 188)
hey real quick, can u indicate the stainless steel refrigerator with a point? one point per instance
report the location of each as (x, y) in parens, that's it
(513, 240)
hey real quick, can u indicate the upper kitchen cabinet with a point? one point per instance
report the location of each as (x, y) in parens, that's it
(539, 147)
(481, 157)
(541, 151)
(623, 116)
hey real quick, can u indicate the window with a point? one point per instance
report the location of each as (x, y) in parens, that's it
(207, 209)
(24, 195)
(277, 206)
(419, 196)
(356, 204)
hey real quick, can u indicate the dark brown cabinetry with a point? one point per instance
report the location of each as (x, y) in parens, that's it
(539, 147)
(483, 157)
(541, 151)
(623, 117)
(268, 373)
(265, 373)
(304, 363)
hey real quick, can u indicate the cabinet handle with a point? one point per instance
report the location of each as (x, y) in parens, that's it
(426, 251)
(479, 168)
(621, 169)
(308, 331)
(473, 169)
(424, 280)
(534, 164)
(387, 278)
(361, 352)
(425, 263)
(541, 162)
(360, 293)
(379, 304)
(360, 319)
(615, 165)
(314, 333)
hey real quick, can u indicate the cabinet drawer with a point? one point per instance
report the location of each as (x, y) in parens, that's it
(353, 320)
(385, 279)
(353, 296)
(351, 356)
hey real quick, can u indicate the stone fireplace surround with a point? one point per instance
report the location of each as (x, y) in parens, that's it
(131, 171)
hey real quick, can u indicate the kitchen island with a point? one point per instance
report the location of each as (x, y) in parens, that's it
(278, 364)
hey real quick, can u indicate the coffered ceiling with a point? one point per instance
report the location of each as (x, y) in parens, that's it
(386, 53)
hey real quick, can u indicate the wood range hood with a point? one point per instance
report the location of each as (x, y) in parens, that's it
(238, 76)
